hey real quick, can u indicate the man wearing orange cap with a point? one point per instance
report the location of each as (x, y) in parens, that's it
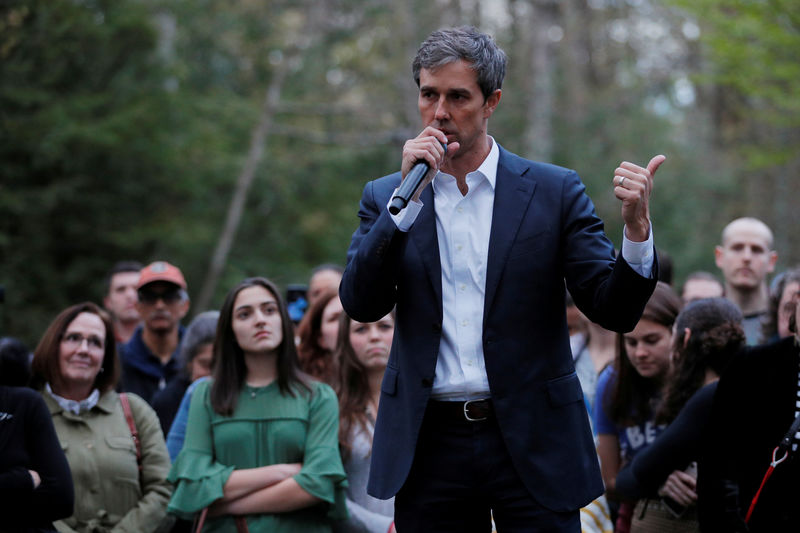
(149, 358)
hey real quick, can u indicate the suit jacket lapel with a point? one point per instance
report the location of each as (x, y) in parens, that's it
(423, 233)
(512, 195)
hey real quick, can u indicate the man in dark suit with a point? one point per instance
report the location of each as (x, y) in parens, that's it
(480, 405)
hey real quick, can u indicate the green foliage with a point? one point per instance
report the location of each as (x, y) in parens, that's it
(751, 72)
(79, 126)
(124, 125)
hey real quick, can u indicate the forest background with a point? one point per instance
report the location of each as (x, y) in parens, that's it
(234, 138)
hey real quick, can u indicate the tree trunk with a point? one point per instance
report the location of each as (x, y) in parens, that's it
(255, 154)
(538, 134)
(243, 182)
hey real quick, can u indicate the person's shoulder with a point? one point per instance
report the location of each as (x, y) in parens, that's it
(195, 385)
(321, 392)
(380, 190)
(137, 403)
(389, 180)
(703, 397)
(605, 381)
(23, 394)
(785, 347)
(201, 388)
(757, 360)
(132, 349)
(22, 400)
(705, 392)
(511, 162)
(385, 184)
(606, 375)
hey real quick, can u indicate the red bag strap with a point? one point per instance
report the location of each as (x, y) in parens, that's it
(783, 448)
(241, 523)
(126, 408)
(200, 521)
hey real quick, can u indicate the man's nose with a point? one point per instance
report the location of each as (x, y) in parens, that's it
(442, 112)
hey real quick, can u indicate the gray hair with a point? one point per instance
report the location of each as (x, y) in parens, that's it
(479, 49)
(202, 330)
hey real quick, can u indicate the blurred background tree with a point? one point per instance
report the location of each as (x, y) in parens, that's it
(233, 138)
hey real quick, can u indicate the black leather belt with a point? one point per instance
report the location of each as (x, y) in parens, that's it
(468, 411)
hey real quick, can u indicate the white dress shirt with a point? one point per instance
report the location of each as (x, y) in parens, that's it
(463, 225)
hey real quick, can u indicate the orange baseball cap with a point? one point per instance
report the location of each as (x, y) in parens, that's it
(161, 271)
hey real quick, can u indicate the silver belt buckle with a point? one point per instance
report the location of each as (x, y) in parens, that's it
(466, 411)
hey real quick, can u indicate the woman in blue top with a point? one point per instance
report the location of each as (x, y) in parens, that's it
(628, 391)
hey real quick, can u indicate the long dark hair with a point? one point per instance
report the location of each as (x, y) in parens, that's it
(229, 368)
(45, 366)
(352, 388)
(716, 335)
(314, 359)
(630, 401)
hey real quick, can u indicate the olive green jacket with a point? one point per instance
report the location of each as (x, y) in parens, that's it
(110, 494)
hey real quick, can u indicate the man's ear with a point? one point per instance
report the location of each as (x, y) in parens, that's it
(184, 307)
(718, 252)
(686, 334)
(491, 103)
(773, 258)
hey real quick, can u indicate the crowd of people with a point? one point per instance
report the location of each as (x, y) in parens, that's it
(446, 380)
(681, 449)
(220, 418)
(245, 413)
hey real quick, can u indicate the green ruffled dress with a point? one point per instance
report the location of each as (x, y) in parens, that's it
(266, 428)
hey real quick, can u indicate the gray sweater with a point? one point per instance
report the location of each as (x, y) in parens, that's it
(367, 514)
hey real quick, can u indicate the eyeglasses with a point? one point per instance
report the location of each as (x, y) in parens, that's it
(169, 296)
(75, 340)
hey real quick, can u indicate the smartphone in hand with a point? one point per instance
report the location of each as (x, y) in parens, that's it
(676, 509)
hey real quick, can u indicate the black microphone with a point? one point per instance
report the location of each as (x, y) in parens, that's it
(410, 184)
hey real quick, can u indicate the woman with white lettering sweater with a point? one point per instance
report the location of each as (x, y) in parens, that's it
(628, 391)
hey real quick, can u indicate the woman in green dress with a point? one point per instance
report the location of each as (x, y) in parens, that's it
(261, 440)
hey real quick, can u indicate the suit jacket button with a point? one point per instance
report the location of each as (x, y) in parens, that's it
(427, 382)
(437, 328)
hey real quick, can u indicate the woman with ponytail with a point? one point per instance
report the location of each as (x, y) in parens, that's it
(707, 335)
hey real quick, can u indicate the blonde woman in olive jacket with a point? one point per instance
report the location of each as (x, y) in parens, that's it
(76, 368)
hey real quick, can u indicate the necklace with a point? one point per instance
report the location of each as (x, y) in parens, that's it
(254, 391)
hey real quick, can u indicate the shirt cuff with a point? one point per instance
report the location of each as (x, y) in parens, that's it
(406, 217)
(639, 255)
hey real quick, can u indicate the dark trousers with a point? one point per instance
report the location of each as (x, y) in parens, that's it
(462, 476)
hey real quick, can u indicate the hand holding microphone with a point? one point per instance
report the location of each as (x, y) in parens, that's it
(423, 153)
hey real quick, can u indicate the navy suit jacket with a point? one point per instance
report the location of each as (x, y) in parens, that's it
(544, 230)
